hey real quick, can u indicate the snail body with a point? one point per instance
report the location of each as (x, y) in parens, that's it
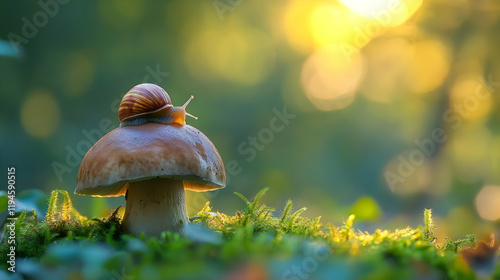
(150, 103)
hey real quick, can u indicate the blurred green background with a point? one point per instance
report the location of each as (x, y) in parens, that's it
(395, 101)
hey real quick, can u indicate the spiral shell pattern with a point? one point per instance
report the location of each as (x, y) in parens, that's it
(141, 100)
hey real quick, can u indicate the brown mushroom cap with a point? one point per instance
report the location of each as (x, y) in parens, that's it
(148, 151)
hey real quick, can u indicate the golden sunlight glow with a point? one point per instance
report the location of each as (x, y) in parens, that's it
(239, 54)
(295, 21)
(331, 24)
(330, 78)
(40, 114)
(488, 203)
(245, 57)
(429, 66)
(384, 12)
(471, 96)
(354, 23)
(195, 202)
(371, 8)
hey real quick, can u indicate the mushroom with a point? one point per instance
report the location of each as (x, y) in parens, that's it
(151, 159)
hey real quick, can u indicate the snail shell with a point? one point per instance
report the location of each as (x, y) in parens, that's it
(143, 100)
(150, 103)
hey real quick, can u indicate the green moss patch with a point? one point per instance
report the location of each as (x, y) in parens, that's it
(251, 243)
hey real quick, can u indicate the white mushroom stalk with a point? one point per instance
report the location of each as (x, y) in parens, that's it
(154, 206)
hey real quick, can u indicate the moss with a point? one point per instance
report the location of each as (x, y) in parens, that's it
(429, 226)
(221, 244)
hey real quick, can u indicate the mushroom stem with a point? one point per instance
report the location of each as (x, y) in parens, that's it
(154, 206)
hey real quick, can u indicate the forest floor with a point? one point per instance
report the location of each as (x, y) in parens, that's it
(251, 244)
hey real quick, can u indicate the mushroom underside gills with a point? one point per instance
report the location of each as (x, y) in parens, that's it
(154, 206)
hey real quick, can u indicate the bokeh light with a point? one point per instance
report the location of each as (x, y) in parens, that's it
(40, 114)
(386, 12)
(429, 66)
(488, 203)
(241, 54)
(330, 78)
(77, 74)
(386, 60)
(296, 17)
(470, 95)
(334, 24)
(366, 209)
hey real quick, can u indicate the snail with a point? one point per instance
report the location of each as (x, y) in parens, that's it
(151, 103)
